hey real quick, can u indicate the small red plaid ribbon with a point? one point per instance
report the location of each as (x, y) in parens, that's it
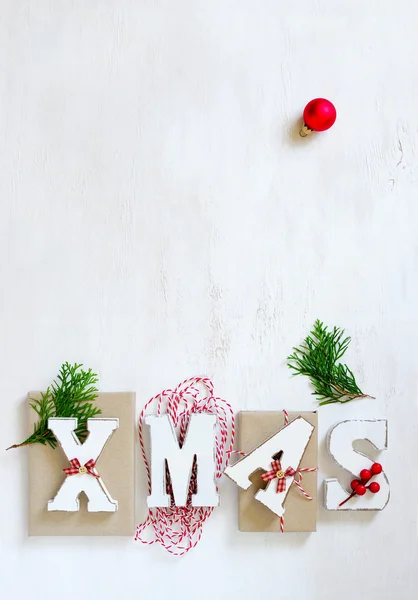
(277, 473)
(76, 467)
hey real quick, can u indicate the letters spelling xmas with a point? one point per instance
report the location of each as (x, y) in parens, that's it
(199, 444)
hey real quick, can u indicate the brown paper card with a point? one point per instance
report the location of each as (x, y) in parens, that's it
(255, 427)
(115, 465)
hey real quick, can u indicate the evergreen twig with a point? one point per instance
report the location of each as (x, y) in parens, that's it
(71, 395)
(318, 357)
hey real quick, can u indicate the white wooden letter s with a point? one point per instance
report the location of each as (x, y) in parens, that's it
(340, 446)
(100, 431)
(199, 442)
(292, 440)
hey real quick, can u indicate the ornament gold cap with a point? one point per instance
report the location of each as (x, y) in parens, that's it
(305, 131)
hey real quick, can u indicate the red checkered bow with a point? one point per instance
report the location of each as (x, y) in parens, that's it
(88, 468)
(277, 472)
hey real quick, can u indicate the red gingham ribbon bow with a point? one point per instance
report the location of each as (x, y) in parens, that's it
(277, 472)
(76, 467)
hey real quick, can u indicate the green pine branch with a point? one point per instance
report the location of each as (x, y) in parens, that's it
(71, 395)
(318, 357)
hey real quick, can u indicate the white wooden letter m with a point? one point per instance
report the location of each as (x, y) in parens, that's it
(199, 445)
(82, 475)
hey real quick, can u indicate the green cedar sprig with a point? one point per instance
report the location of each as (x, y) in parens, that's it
(71, 395)
(318, 357)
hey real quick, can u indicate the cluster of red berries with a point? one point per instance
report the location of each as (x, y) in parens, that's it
(358, 485)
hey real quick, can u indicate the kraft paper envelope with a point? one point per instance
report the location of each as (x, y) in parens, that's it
(115, 465)
(255, 427)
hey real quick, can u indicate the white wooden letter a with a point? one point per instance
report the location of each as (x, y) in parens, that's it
(292, 440)
(199, 443)
(99, 499)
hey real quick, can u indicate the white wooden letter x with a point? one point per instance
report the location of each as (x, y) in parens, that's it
(83, 478)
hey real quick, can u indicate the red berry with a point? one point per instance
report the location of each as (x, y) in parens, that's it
(374, 487)
(365, 475)
(361, 489)
(376, 468)
(354, 484)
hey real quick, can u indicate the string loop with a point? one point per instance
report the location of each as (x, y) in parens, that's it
(179, 528)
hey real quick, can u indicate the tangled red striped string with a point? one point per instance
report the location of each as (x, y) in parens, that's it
(299, 472)
(179, 528)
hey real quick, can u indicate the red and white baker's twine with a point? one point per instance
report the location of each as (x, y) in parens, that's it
(179, 528)
(299, 472)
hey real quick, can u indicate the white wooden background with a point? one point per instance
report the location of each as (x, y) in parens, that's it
(159, 218)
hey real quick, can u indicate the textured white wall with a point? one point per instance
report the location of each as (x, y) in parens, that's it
(159, 219)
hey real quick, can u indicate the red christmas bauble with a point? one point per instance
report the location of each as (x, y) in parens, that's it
(365, 475)
(319, 114)
(377, 468)
(354, 484)
(361, 490)
(374, 487)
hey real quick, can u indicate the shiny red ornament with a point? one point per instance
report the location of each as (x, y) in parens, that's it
(374, 487)
(361, 490)
(365, 475)
(377, 468)
(354, 484)
(319, 115)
